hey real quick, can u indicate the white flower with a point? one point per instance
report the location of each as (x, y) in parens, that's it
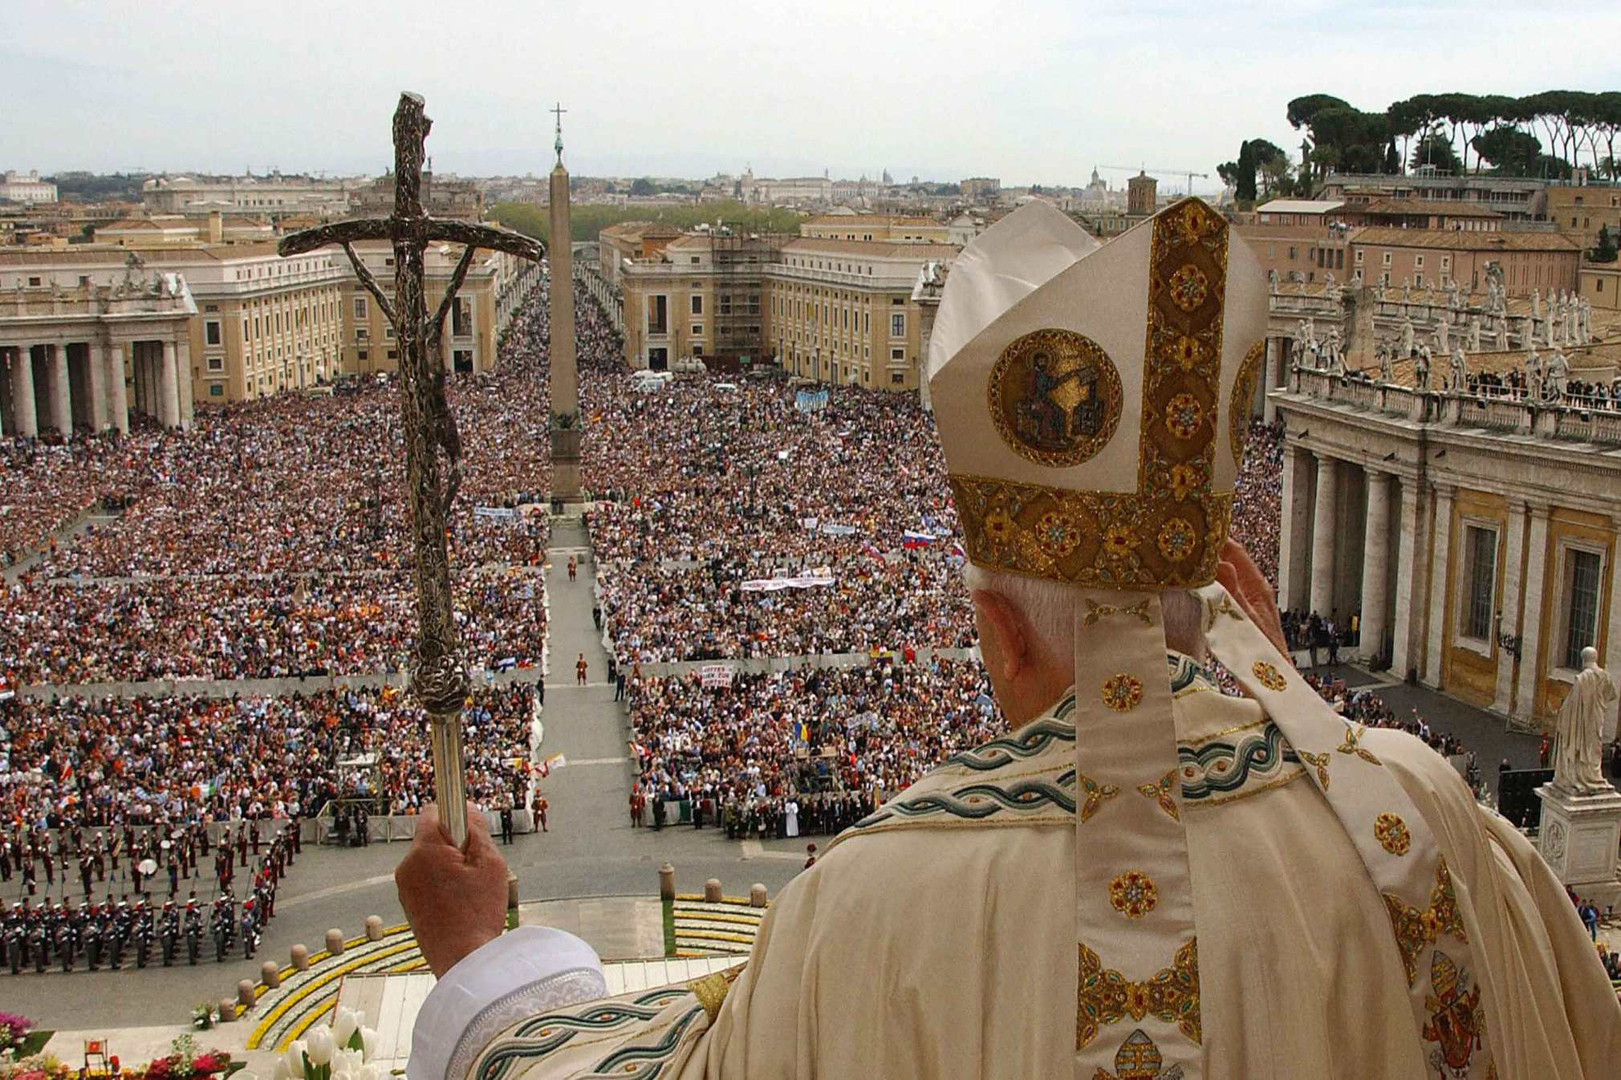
(295, 1057)
(368, 1040)
(344, 1025)
(372, 1071)
(346, 1064)
(321, 1045)
(282, 1071)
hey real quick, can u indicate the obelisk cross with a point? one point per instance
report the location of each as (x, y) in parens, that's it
(432, 448)
(558, 112)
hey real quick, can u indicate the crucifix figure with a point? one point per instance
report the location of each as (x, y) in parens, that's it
(432, 447)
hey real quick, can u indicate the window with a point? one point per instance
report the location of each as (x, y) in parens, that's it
(697, 329)
(363, 353)
(33, 281)
(1359, 255)
(1582, 571)
(393, 354)
(1418, 261)
(695, 260)
(211, 332)
(1387, 258)
(216, 363)
(216, 390)
(1481, 551)
(897, 354)
(697, 305)
(697, 350)
(1291, 253)
(360, 308)
(658, 315)
(897, 326)
(896, 378)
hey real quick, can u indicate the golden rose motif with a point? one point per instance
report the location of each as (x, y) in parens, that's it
(1176, 539)
(1119, 542)
(999, 528)
(1391, 832)
(1058, 533)
(1269, 676)
(1185, 479)
(1194, 224)
(1189, 287)
(1188, 351)
(1122, 692)
(1133, 894)
(1184, 416)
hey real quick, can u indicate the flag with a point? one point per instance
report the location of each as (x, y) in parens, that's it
(913, 540)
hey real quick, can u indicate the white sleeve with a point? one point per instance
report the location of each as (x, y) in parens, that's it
(527, 971)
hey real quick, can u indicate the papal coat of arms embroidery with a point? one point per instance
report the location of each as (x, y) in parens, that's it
(1457, 1023)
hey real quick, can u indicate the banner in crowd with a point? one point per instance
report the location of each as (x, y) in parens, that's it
(914, 540)
(498, 513)
(810, 401)
(715, 675)
(822, 575)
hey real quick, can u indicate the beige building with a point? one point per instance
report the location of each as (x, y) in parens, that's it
(631, 240)
(877, 227)
(1531, 261)
(1600, 285)
(831, 310)
(259, 195)
(1477, 539)
(26, 187)
(1580, 211)
(90, 348)
(1418, 214)
(262, 324)
(215, 228)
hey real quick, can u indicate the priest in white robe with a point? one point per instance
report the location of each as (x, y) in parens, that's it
(1144, 878)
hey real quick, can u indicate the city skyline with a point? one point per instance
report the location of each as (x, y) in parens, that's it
(930, 91)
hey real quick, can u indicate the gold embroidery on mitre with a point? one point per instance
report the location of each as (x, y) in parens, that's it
(1269, 676)
(711, 989)
(1238, 410)
(1096, 794)
(1105, 996)
(1122, 692)
(1417, 928)
(1096, 611)
(1127, 540)
(1391, 832)
(1055, 397)
(1139, 1059)
(1224, 606)
(1133, 894)
(1160, 792)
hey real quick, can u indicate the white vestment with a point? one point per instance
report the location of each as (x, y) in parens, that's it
(936, 938)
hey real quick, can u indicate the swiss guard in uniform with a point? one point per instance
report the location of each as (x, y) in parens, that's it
(1145, 878)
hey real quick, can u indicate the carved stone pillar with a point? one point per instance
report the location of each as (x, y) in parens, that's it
(1408, 580)
(1323, 535)
(117, 396)
(1375, 566)
(1435, 625)
(1295, 542)
(169, 388)
(1536, 554)
(1510, 613)
(95, 378)
(56, 386)
(24, 417)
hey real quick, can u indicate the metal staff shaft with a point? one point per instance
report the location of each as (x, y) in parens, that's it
(449, 774)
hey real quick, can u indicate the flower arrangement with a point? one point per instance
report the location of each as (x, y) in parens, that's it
(205, 1016)
(40, 1067)
(13, 1029)
(343, 1051)
(185, 1063)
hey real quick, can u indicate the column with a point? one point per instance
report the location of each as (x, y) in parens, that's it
(56, 386)
(1536, 555)
(1610, 658)
(1511, 618)
(112, 356)
(137, 376)
(1322, 535)
(1294, 543)
(1269, 411)
(22, 392)
(1375, 566)
(1404, 653)
(183, 367)
(169, 389)
(94, 386)
(1435, 625)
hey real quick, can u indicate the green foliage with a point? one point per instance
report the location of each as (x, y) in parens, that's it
(1511, 151)
(1434, 150)
(589, 220)
(1244, 182)
(1605, 252)
(1392, 165)
(642, 186)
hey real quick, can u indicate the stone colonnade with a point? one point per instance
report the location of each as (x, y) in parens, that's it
(58, 386)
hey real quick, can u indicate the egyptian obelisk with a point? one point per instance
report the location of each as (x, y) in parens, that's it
(564, 373)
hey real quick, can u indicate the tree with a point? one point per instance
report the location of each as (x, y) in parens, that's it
(1245, 192)
(1511, 151)
(1392, 159)
(1303, 109)
(1434, 149)
(1605, 252)
(1276, 178)
(642, 186)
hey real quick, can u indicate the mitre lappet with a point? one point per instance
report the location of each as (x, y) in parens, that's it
(1093, 402)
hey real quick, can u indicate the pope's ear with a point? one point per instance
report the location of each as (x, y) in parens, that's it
(1010, 646)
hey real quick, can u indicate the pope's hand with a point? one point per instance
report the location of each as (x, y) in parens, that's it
(1239, 575)
(456, 900)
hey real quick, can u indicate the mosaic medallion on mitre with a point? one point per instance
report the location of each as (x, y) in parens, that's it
(1055, 396)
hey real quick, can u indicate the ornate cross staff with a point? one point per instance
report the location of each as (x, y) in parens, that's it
(438, 678)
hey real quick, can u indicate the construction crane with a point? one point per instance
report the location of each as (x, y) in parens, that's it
(1189, 173)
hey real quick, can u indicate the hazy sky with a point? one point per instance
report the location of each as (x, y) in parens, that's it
(942, 89)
